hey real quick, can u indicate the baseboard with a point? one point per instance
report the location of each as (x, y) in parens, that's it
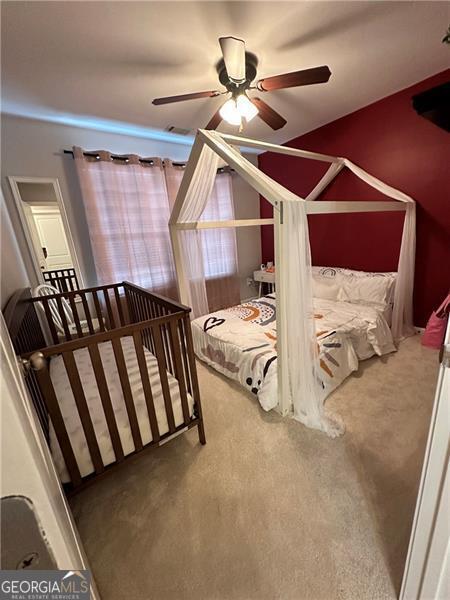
(419, 329)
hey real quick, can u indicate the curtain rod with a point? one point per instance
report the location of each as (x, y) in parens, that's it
(147, 161)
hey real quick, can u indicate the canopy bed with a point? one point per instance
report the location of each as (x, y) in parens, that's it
(298, 368)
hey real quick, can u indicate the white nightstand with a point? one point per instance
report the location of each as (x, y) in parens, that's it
(265, 277)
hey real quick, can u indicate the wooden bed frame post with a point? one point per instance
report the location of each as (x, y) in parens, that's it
(282, 288)
(281, 371)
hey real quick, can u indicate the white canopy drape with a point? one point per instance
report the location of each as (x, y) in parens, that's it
(195, 201)
(298, 368)
(299, 353)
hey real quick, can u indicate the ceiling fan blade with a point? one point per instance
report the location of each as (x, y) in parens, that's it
(183, 97)
(233, 51)
(287, 80)
(215, 121)
(268, 114)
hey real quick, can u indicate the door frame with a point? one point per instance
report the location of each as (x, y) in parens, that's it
(14, 181)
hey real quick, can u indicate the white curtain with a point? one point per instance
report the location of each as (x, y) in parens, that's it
(127, 212)
(128, 202)
(218, 245)
(193, 206)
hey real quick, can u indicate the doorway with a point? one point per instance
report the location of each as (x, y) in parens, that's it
(47, 232)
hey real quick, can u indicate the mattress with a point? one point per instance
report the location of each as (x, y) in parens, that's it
(71, 417)
(240, 342)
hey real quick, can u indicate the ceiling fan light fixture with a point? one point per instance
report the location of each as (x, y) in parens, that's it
(237, 71)
(246, 108)
(234, 110)
(229, 112)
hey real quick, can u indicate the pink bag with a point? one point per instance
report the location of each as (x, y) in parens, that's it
(433, 336)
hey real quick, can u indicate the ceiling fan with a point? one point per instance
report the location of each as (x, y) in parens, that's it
(236, 71)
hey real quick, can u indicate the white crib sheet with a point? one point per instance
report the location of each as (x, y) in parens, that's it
(71, 417)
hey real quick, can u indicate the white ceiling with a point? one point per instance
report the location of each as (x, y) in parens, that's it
(110, 59)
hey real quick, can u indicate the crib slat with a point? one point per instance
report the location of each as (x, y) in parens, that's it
(50, 321)
(146, 385)
(83, 410)
(52, 405)
(138, 305)
(147, 332)
(73, 306)
(102, 385)
(179, 374)
(126, 389)
(195, 389)
(98, 310)
(62, 314)
(119, 305)
(125, 306)
(38, 401)
(163, 376)
(191, 357)
(129, 295)
(112, 323)
(167, 347)
(184, 355)
(87, 313)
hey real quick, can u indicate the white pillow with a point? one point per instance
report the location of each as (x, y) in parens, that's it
(368, 289)
(360, 286)
(327, 290)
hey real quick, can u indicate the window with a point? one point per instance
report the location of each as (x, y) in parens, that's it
(127, 210)
(128, 207)
(219, 245)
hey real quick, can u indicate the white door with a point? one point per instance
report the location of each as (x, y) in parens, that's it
(51, 233)
(37, 245)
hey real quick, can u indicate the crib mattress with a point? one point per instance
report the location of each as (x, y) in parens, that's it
(71, 417)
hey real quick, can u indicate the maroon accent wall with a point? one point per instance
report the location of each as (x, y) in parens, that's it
(390, 141)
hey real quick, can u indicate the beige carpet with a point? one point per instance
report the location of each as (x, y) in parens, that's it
(269, 509)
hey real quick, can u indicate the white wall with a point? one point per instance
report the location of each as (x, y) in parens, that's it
(246, 206)
(13, 272)
(34, 149)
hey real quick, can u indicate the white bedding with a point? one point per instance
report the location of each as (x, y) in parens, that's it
(240, 342)
(71, 418)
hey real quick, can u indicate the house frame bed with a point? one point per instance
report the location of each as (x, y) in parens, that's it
(292, 255)
(150, 324)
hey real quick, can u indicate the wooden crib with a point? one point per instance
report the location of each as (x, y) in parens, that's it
(120, 333)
